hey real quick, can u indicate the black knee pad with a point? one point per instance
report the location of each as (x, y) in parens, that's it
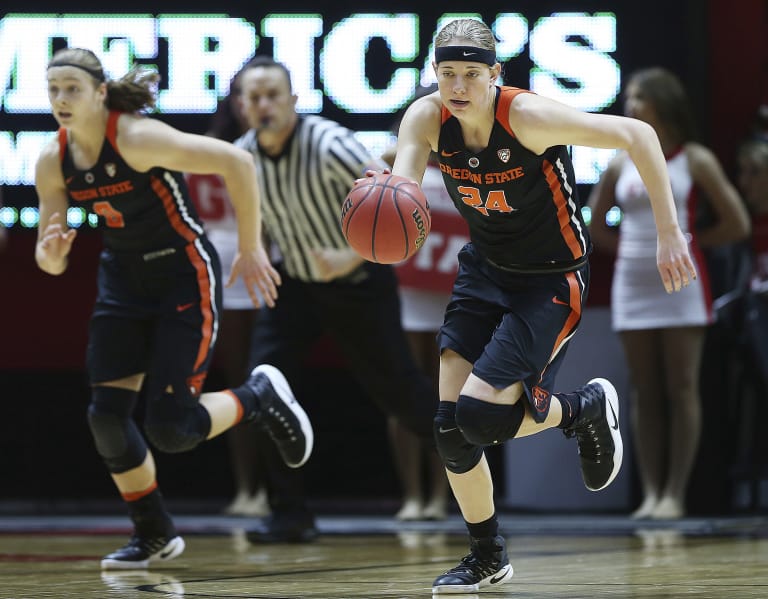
(485, 423)
(458, 455)
(174, 427)
(114, 431)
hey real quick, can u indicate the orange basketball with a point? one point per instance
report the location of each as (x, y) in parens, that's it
(385, 218)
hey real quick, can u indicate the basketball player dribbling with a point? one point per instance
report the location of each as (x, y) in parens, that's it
(522, 279)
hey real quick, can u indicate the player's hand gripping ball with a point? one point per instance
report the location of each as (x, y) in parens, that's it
(385, 218)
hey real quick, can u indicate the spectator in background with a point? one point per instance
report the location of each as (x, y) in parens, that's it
(743, 316)
(753, 182)
(307, 165)
(233, 346)
(663, 334)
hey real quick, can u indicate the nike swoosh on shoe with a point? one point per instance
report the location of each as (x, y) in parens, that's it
(501, 575)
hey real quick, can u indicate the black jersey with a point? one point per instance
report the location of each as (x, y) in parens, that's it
(522, 208)
(137, 212)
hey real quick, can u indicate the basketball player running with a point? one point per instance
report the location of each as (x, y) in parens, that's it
(522, 279)
(159, 286)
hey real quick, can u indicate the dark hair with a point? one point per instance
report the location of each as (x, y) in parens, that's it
(667, 95)
(133, 92)
(268, 62)
(225, 124)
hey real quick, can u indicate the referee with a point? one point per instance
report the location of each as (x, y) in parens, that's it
(306, 166)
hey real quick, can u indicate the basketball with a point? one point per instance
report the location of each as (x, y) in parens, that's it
(385, 218)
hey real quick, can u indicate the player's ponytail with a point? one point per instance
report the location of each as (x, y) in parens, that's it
(133, 92)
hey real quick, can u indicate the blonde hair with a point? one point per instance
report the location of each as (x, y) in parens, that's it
(133, 92)
(473, 30)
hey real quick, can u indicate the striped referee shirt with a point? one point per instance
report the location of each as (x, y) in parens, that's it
(303, 188)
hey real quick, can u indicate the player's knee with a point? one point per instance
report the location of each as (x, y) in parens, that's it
(485, 423)
(458, 455)
(171, 437)
(171, 427)
(114, 432)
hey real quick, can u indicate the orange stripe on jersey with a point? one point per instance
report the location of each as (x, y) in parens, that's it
(136, 495)
(111, 133)
(502, 108)
(574, 303)
(204, 283)
(62, 143)
(171, 209)
(445, 114)
(564, 216)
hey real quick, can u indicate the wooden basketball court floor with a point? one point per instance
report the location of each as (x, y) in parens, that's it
(376, 557)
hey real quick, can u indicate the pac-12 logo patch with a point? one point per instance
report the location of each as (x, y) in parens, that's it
(504, 155)
(111, 168)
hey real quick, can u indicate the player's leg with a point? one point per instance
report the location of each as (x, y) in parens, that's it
(116, 346)
(132, 467)
(552, 311)
(514, 331)
(472, 316)
(179, 416)
(472, 485)
(266, 396)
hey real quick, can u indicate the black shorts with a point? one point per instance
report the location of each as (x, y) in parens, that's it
(513, 327)
(156, 314)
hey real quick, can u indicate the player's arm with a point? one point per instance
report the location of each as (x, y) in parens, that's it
(540, 123)
(417, 137)
(54, 238)
(731, 217)
(146, 143)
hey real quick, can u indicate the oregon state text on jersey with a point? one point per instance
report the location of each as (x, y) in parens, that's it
(138, 212)
(522, 208)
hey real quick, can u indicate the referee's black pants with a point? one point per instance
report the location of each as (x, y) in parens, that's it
(362, 314)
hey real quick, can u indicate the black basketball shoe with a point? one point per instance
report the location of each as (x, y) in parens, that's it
(486, 565)
(140, 551)
(597, 432)
(281, 415)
